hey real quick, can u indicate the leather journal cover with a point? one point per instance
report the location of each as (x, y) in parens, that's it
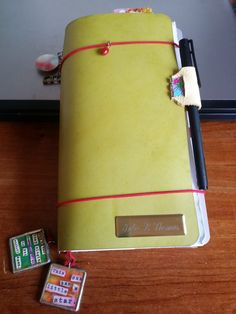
(124, 160)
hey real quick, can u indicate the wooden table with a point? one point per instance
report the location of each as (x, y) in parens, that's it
(199, 280)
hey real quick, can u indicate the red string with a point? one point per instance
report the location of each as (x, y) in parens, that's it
(106, 197)
(70, 259)
(116, 43)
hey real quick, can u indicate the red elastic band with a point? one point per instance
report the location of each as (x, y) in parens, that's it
(107, 197)
(117, 43)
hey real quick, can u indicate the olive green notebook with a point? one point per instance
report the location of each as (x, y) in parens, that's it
(124, 145)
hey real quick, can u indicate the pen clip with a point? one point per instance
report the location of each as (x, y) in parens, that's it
(191, 48)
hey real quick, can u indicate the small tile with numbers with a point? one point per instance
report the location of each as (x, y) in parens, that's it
(29, 250)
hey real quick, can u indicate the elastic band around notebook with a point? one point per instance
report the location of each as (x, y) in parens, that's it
(117, 43)
(107, 197)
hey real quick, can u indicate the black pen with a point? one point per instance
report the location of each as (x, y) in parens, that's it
(187, 59)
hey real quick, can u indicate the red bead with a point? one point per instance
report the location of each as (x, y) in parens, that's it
(104, 51)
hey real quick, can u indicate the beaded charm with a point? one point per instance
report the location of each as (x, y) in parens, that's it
(105, 50)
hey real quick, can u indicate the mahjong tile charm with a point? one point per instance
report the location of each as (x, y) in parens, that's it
(63, 287)
(29, 250)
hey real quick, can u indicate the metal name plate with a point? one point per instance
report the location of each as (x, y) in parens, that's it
(150, 225)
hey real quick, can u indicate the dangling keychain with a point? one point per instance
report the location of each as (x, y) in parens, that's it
(49, 63)
(29, 250)
(64, 284)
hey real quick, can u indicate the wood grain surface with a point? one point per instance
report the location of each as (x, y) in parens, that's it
(199, 280)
